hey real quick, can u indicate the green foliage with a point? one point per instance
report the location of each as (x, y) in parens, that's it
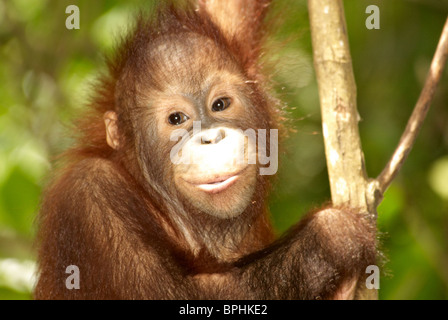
(45, 80)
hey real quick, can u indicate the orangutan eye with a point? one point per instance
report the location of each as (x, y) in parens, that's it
(221, 104)
(177, 118)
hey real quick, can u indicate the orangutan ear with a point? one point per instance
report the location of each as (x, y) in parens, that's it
(112, 135)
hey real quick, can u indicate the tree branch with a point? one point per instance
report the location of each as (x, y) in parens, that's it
(418, 115)
(337, 92)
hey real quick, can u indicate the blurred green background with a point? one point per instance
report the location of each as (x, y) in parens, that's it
(45, 74)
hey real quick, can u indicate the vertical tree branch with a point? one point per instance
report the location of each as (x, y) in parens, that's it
(337, 92)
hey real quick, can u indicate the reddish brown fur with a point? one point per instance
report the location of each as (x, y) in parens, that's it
(121, 227)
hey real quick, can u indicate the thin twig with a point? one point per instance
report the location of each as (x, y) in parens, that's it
(418, 115)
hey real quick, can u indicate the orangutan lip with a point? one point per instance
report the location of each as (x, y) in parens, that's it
(217, 186)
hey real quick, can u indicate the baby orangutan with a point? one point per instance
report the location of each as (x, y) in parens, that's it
(140, 221)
